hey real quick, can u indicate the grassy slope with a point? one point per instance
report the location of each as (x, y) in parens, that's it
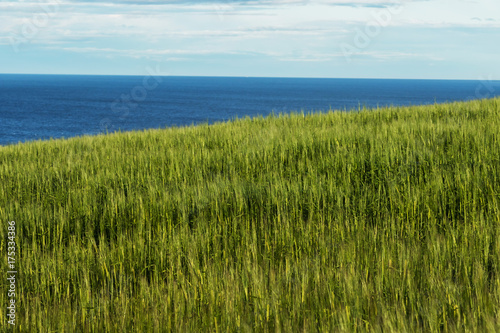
(381, 220)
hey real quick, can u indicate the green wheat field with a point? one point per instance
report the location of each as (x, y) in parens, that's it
(379, 220)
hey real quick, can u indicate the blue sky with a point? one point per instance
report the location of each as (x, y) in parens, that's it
(428, 39)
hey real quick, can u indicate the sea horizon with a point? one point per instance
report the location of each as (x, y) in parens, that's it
(258, 77)
(45, 106)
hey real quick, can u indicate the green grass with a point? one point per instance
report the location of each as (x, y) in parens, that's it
(379, 220)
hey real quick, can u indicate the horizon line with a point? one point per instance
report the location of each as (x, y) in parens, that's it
(255, 77)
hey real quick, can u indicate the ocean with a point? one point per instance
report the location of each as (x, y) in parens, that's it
(34, 107)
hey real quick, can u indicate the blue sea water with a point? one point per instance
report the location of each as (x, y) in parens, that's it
(36, 107)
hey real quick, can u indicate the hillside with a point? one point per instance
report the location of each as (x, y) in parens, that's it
(374, 220)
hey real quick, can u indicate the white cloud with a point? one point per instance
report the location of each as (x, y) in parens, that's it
(307, 31)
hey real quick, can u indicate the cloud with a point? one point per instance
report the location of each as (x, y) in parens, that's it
(177, 54)
(305, 31)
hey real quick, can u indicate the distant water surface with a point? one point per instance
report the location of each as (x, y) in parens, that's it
(53, 106)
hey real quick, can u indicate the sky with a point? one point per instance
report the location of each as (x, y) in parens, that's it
(417, 39)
